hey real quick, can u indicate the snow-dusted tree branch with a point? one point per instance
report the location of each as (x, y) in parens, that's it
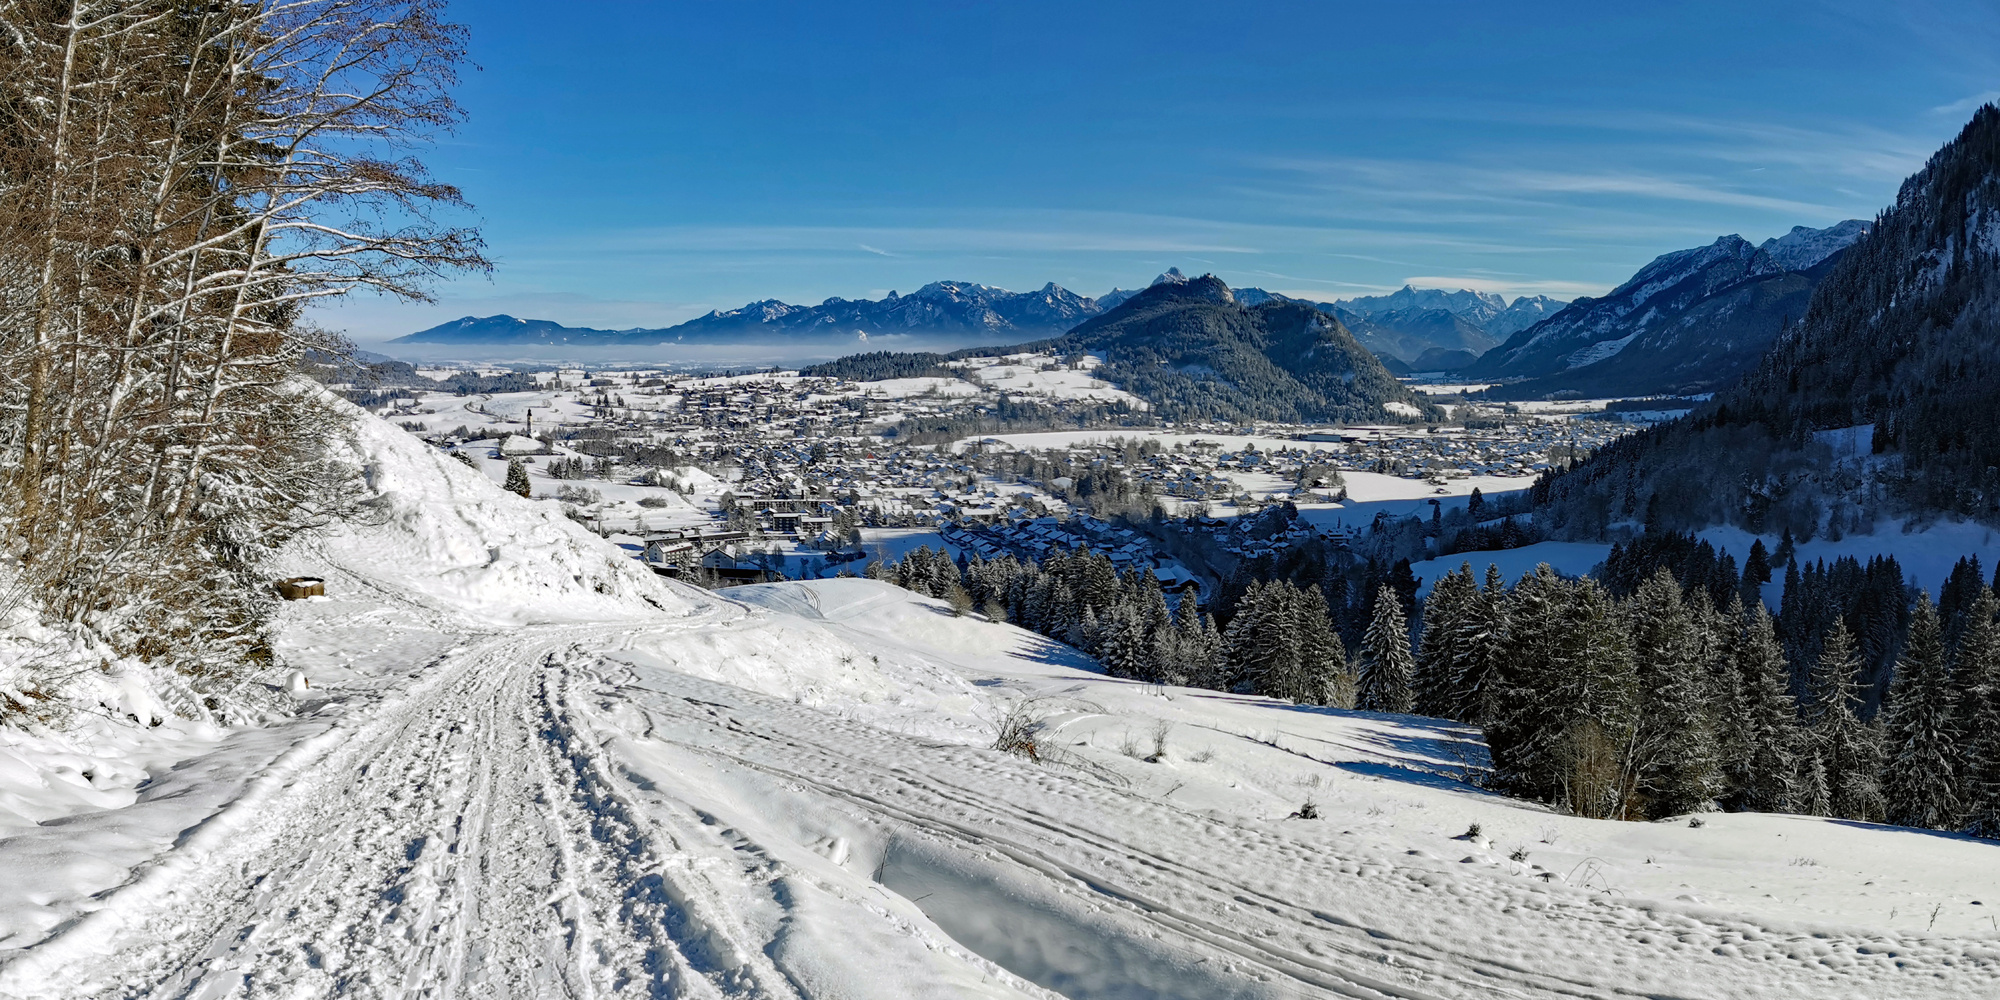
(177, 181)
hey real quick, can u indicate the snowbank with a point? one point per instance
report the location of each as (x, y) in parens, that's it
(443, 534)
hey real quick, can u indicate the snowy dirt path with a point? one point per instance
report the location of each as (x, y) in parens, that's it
(456, 840)
(633, 809)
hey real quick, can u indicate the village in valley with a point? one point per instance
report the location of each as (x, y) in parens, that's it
(771, 474)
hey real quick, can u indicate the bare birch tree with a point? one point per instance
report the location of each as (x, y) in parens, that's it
(178, 181)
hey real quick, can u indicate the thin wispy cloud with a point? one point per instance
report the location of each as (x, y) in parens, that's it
(1967, 105)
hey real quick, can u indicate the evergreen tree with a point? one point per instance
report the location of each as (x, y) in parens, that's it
(1756, 573)
(1249, 638)
(517, 479)
(1215, 657)
(1771, 764)
(1955, 597)
(1675, 762)
(1564, 712)
(1386, 663)
(1728, 703)
(1845, 750)
(1323, 661)
(1977, 677)
(1438, 652)
(1919, 782)
(1482, 633)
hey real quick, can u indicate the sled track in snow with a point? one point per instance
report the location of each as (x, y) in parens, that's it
(458, 838)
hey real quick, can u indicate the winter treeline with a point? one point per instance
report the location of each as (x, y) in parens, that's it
(179, 180)
(1280, 640)
(1654, 702)
(1662, 702)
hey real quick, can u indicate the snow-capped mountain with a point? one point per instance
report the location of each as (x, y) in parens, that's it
(1491, 313)
(1412, 327)
(1691, 321)
(942, 308)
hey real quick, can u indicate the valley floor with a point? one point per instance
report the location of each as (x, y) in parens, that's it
(786, 791)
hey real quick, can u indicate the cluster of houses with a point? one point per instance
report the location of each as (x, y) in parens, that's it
(809, 462)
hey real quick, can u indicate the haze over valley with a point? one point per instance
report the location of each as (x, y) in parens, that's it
(1074, 503)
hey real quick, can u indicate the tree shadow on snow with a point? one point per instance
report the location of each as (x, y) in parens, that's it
(1963, 838)
(1436, 753)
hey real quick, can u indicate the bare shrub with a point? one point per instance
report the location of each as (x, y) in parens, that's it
(1020, 731)
(1594, 780)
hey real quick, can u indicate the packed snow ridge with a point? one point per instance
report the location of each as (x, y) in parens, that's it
(524, 766)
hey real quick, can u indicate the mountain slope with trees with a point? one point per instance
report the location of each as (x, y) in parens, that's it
(1879, 401)
(1194, 352)
(1692, 321)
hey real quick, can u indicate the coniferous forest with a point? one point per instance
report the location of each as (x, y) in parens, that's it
(1662, 687)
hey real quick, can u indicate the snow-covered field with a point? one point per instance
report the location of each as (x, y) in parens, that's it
(525, 767)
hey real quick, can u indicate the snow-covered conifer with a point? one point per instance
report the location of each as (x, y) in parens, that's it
(1482, 631)
(1386, 662)
(517, 478)
(1847, 751)
(1977, 678)
(1674, 748)
(1769, 768)
(1438, 652)
(1919, 782)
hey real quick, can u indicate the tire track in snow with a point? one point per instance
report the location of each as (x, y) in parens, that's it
(839, 760)
(452, 838)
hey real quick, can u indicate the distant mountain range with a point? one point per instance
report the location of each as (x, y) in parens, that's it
(1193, 349)
(1400, 327)
(942, 308)
(1691, 321)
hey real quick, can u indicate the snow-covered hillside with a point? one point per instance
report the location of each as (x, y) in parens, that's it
(525, 768)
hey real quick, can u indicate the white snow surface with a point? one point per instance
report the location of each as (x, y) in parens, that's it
(521, 770)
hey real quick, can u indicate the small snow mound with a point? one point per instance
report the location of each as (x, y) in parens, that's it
(442, 533)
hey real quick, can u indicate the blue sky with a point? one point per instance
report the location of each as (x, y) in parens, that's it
(650, 161)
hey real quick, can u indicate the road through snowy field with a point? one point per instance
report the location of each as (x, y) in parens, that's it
(561, 811)
(529, 769)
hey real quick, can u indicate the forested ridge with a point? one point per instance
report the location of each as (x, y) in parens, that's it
(177, 182)
(1901, 341)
